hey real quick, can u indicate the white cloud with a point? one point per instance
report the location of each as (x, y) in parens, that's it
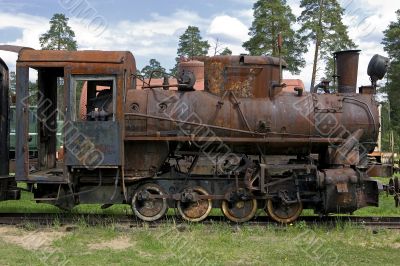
(20, 20)
(157, 35)
(10, 59)
(31, 26)
(245, 15)
(152, 38)
(228, 28)
(366, 19)
(295, 6)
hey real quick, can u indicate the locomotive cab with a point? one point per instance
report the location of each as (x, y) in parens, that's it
(86, 91)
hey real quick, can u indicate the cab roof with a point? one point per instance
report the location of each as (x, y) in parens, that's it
(89, 56)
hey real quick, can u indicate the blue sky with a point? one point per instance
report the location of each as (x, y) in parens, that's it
(150, 29)
(125, 8)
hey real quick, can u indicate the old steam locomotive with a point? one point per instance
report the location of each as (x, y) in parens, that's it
(243, 142)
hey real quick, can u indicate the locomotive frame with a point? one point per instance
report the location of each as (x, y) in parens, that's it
(247, 142)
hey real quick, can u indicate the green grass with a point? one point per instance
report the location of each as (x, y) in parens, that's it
(27, 205)
(217, 244)
(386, 208)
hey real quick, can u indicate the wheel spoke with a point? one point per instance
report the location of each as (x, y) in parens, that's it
(195, 211)
(239, 210)
(282, 212)
(147, 208)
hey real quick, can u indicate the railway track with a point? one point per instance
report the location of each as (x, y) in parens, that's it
(46, 219)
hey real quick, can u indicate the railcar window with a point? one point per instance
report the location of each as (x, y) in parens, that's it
(32, 115)
(93, 98)
(11, 115)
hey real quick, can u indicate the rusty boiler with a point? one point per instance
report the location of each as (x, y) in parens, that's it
(244, 105)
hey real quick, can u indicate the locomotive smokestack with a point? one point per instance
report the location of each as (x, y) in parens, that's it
(347, 69)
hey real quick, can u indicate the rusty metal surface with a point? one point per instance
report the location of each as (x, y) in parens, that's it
(367, 90)
(381, 170)
(65, 64)
(246, 76)
(291, 84)
(146, 207)
(103, 149)
(196, 67)
(65, 57)
(12, 48)
(238, 207)
(144, 160)
(347, 70)
(319, 117)
(192, 206)
(286, 213)
(21, 146)
(343, 190)
(347, 153)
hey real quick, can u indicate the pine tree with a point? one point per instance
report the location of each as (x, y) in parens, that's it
(321, 23)
(190, 44)
(226, 51)
(60, 36)
(153, 70)
(271, 18)
(387, 128)
(391, 46)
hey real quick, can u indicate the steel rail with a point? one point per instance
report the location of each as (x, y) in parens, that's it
(48, 219)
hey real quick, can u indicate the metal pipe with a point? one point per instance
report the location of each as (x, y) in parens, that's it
(219, 127)
(347, 70)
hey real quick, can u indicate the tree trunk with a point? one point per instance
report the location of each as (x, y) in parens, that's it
(318, 39)
(216, 47)
(314, 71)
(273, 32)
(59, 38)
(192, 47)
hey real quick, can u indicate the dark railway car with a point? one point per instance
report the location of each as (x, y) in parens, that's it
(246, 142)
(33, 148)
(4, 124)
(8, 187)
